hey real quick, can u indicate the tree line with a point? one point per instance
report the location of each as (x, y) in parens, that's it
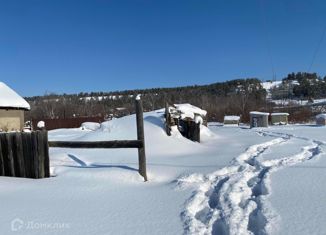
(236, 97)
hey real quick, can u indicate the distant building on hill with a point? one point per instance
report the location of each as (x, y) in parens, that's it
(279, 118)
(321, 119)
(12, 108)
(258, 119)
(231, 120)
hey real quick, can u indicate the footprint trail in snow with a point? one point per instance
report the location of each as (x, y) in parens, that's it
(233, 200)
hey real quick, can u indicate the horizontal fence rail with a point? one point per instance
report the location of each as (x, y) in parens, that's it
(97, 144)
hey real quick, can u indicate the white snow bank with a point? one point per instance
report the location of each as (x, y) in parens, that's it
(10, 99)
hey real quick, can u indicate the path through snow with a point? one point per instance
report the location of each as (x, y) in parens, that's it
(233, 200)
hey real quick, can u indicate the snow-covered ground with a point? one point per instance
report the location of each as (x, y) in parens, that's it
(237, 181)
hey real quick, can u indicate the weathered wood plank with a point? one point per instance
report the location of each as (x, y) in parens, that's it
(7, 155)
(27, 151)
(2, 167)
(40, 154)
(34, 155)
(141, 137)
(46, 155)
(18, 154)
(97, 144)
(167, 120)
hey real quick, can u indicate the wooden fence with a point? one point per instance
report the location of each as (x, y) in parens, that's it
(27, 154)
(51, 124)
(24, 155)
(139, 143)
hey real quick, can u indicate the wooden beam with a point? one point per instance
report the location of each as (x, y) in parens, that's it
(97, 144)
(141, 138)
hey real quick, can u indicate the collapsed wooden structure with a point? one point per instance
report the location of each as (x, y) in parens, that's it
(186, 119)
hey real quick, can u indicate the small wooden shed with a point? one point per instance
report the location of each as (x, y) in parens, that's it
(12, 109)
(258, 119)
(279, 118)
(321, 119)
(231, 120)
(187, 118)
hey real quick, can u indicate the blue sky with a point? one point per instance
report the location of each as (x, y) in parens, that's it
(73, 46)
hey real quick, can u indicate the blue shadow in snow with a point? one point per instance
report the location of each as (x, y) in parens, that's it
(82, 164)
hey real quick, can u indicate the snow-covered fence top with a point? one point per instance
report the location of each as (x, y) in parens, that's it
(10, 99)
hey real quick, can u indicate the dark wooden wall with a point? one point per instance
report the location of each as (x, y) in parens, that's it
(51, 124)
(24, 154)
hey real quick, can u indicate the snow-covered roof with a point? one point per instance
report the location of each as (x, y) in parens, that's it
(280, 114)
(322, 115)
(231, 118)
(188, 110)
(10, 99)
(259, 113)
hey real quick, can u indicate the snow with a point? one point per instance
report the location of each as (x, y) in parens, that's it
(92, 126)
(10, 99)
(199, 119)
(259, 113)
(138, 97)
(41, 124)
(188, 110)
(322, 115)
(280, 114)
(236, 181)
(231, 118)
(270, 85)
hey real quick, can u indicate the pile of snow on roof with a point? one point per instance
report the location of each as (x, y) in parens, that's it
(322, 115)
(190, 111)
(10, 99)
(231, 118)
(259, 113)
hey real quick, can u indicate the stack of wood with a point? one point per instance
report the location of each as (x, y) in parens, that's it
(187, 118)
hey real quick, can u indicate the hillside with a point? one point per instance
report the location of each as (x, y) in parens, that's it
(231, 97)
(235, 97)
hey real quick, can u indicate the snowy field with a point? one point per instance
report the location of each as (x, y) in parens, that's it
(237, 181)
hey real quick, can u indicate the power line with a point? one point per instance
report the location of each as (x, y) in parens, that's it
(317, 49)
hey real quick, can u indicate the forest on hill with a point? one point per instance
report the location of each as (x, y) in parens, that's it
(235, 97)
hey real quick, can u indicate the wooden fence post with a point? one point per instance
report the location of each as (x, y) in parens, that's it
(46, 155)
(167, 120)
(141, 137)
(18, 154)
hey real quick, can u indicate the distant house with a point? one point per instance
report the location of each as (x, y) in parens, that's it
(279, 118)
(12, 108)
(258, 119)
(321, 119)
(231, 120)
